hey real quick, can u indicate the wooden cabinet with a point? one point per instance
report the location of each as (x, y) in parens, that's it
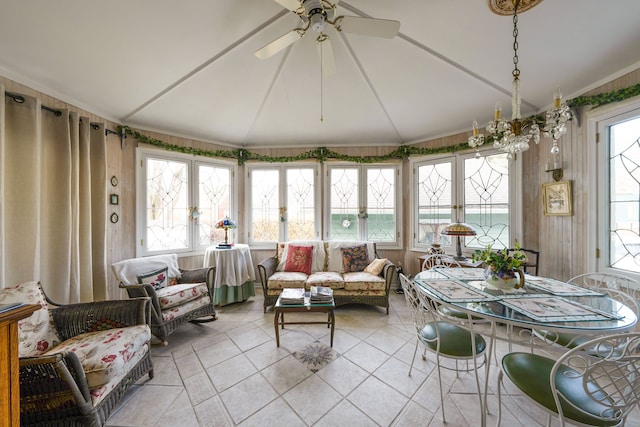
(9, 363)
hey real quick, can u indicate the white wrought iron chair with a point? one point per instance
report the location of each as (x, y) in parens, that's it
(439, 261)
(595, 384)
(443, 337)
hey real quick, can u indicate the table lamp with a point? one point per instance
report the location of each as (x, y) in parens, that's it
(226, 223)
(458, 229)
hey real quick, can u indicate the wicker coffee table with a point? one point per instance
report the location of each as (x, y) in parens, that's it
(281, 309)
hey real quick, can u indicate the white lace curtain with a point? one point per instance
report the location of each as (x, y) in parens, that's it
(53, 201)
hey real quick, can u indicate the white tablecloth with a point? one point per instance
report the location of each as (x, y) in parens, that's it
(234, 268)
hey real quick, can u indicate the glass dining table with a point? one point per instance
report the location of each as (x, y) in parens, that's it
(544, 305)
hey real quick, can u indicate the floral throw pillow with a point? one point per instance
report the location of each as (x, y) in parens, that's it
(299, 259)
(355, 258)
(158, 278)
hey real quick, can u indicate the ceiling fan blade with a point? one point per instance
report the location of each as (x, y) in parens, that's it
(325, 51)
(280, 43)
(292, 5)
(368, 26)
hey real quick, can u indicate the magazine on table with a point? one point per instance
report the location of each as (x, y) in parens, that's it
(321, 295)
(292, 296)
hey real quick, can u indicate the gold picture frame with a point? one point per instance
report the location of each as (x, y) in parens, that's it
(556, 198)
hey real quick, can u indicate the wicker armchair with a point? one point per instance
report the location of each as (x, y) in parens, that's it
(189, 299)
(78, 360)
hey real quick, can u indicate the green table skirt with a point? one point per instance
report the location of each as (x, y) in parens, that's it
(230, 294)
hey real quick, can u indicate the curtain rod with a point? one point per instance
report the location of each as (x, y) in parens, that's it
(20, 99)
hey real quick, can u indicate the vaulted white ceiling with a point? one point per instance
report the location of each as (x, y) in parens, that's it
(187, 67)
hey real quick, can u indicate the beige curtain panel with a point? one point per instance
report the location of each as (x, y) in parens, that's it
(53, 201)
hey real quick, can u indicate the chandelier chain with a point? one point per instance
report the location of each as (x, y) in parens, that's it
(516, 70)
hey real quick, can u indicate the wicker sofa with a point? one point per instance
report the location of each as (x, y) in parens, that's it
(332, 265)
(78, 360)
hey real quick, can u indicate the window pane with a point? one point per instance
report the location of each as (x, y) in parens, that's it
(434, 195)
(624, 195)
(167, 205)
(344, 204)
(486, 200)
(300, 204)
(265, 214)
(213, 202)
(381, 204)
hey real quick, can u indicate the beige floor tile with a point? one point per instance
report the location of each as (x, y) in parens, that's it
(146, 407)
(396, 374)
(219, 352)
(230, 372)
(247, 397)
(277, 413)
(286, 373)
(312, 398)
(343, 375)
(199, 388)
(212, 413)
(180, 413)
(366, 356)
(266, 354)
(378, 400)
(345, 414)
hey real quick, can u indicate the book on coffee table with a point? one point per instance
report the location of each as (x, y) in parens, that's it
(292, 296)
(321, 295)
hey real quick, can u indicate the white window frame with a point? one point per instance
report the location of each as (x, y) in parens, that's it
(193, 248)
(597, 255)
(457, 159)
(282, 195)
(362, 195)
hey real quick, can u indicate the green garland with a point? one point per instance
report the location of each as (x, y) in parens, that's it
(321, 154)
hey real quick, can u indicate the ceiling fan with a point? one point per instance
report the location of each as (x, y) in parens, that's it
(315, 15)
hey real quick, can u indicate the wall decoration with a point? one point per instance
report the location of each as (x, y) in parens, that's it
(556, 198)
(113, 199)
(114, 180)
(114, 218)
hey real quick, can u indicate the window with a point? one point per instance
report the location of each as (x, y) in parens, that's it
(362, 203)
(618, 201)
(179, 201)
(466, 189)
(283, 201)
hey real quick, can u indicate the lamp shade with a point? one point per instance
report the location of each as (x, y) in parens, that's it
(458, 229)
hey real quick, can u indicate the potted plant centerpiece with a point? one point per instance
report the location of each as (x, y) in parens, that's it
(502, 267)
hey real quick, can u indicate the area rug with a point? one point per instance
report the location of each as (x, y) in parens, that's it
(316, 356)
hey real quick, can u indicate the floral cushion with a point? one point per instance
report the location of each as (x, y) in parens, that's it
(299, 259)
(283, 279)
(179, 310)
(361, 281)
(334, 253)
(36, 334)
(172, 296)
(330, 279)
(376, 266)
(157, 278)
(104, 354)
(354, 258)
(318, 253)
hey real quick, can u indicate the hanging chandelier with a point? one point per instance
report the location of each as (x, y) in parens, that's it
(514, 136)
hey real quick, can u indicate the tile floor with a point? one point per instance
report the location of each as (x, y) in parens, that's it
(230, 372)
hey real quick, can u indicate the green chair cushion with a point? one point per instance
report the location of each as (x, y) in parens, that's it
(454, 340)
(531, 372)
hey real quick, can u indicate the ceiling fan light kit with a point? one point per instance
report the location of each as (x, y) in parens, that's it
(315, 15)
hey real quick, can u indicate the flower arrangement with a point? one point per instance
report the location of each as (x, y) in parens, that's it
(226, 223)
(500, 261)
